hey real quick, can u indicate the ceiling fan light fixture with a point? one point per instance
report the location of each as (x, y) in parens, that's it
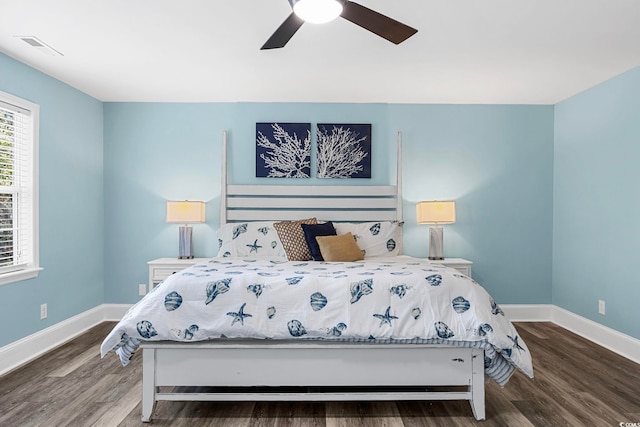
(317, 11)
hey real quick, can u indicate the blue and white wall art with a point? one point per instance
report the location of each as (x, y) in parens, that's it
(344, 150)
(283, 150)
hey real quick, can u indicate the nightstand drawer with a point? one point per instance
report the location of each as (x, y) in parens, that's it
(466, 270)
(161, 268)
(460, 264)
(160, 273)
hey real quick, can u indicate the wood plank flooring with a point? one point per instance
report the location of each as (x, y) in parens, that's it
(577, 383)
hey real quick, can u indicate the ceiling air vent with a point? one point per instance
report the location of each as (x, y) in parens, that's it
(40, 45)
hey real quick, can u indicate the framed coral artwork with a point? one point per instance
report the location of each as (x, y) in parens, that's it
(344, 150)
(283, 150)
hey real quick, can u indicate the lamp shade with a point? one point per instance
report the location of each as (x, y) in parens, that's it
(436, 212)
(185, 212)
(317, 11)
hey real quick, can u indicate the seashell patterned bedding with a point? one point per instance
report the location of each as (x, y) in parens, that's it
(399, 300)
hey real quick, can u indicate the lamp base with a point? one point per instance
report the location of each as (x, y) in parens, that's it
(185, 249)
(436, 245)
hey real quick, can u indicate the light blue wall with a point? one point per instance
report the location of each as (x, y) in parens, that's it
(71, 205)
(154, 153)
(495, 161)
(596, 240)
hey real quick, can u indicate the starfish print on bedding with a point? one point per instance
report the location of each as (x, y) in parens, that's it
(386, 317)
(254, 247)
(516, 344)
(239, 316)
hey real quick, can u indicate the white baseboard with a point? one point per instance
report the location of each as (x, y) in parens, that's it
(527, 312)
(115, 312)
(604, 336)
(28, 348)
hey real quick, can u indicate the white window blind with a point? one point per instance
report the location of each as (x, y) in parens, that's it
(18, 139)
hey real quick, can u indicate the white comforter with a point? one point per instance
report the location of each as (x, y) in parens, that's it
(399, 299)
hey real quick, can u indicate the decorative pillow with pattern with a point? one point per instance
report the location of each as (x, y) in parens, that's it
(257, 239)
(376, 239)
(293, 240)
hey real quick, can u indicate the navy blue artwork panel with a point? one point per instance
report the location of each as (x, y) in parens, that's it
(344, 150)
(283, 150)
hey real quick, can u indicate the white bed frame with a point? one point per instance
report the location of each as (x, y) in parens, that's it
(324, 370)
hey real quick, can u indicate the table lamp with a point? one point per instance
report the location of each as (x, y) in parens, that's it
(185, 212)
(436, 212)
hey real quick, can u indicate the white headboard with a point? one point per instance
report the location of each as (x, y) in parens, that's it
(326, 202)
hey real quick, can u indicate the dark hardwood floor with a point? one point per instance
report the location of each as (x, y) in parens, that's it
(577, 383)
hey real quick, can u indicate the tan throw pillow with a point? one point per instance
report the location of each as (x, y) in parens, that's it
(292, 237)
(339, 248)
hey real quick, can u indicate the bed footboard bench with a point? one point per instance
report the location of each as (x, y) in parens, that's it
(365, 371)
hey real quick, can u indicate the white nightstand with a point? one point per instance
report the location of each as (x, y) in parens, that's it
(161, 268)
(460, 264)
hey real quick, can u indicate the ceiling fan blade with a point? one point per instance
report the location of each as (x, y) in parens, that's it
(390, 29)
(284, 32)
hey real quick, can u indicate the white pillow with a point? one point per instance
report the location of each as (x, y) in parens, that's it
(376, 239)
(256, 239)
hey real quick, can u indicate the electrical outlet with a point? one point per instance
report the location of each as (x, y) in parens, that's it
(601, 307)
(43, 311)
(142, 289)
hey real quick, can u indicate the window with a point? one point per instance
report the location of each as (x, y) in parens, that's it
(18, 189)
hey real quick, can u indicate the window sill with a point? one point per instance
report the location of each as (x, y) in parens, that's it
(16, 276)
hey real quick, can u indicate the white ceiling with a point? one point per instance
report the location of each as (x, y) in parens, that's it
(465, 51)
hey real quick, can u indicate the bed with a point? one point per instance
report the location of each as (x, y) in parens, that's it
(252, 324)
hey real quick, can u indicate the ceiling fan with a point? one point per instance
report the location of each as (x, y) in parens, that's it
(321, 11)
